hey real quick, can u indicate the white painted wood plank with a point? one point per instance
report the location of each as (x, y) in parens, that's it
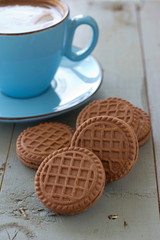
(134, 198)
(118, 50)
(150, 28)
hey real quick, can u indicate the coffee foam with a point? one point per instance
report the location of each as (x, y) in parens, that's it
(27, 18)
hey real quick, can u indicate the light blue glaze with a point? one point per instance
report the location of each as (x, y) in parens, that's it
(73, 24)
(74, 84)
(28, 62)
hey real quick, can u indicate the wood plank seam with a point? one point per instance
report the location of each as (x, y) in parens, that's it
(5, 163)
(138, 9)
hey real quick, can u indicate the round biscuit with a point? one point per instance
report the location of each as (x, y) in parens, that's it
(34, 144)
(112, 140)
(70, 180)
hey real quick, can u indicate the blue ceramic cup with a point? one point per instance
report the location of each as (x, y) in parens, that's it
(29, 61)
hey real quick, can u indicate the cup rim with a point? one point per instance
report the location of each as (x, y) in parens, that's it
(46, 28)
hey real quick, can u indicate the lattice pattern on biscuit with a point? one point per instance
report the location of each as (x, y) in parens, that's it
(111, 107)
(46, 139)
(124, 146)
(68, 177)
(108, 143)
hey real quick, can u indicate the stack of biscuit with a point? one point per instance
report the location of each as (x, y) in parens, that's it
(73, 167)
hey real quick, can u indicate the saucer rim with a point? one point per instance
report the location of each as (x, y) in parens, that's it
(57, 113)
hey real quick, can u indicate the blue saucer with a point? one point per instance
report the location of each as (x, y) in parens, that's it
(74, 83)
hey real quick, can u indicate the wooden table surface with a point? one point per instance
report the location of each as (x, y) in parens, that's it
(129, 52)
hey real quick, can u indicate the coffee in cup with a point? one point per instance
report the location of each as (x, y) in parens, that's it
(18, 18)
